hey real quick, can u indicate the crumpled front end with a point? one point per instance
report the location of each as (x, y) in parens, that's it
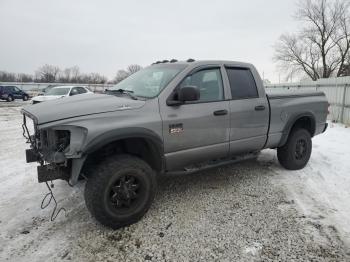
(52, 148)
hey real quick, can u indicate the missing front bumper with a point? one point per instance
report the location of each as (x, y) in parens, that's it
(49, 173)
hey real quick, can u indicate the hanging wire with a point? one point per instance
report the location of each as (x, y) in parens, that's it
(51, 197)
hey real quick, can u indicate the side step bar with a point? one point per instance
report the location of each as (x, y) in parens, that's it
(212, 164)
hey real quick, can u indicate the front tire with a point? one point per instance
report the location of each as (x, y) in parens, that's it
(120, 190)
(25, 98)
(295, 154)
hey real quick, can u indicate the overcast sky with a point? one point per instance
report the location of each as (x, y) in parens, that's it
(104, 36)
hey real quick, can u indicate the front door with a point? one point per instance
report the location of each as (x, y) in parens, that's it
(197, 131)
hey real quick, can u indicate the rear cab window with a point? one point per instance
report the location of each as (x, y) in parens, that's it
(242, 83)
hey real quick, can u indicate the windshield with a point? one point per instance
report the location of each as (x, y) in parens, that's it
(149, 82)
(57, 91)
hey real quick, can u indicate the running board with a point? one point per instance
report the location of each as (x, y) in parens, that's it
(212, 164)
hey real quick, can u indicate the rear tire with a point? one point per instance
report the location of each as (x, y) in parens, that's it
(9, 98)
(295, 154)
(120, 190)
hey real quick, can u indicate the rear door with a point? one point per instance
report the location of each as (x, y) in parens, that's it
(249, 112)
(197, 131)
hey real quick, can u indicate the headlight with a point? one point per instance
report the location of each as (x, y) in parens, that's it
(62, 140)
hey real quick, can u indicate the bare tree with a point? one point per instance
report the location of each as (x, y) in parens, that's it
(24, 78)
(50, 74)
(122, 74)
(7, 77)
(65, 75)
(321, 48)
(96, 78)
(47, 73)
(75, 74)
(133, 68)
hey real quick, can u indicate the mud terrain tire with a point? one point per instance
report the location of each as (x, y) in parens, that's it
(295, 154)
(120, 190)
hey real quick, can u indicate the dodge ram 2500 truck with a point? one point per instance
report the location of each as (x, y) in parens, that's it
(168, 118)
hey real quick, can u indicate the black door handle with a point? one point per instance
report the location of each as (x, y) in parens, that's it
(220, 112)
(259, 108)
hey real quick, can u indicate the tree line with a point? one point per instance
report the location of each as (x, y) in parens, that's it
(321, 47)
(53, 74)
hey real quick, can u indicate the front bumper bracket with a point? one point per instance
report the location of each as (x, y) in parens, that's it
(32, 156)
(48, 173)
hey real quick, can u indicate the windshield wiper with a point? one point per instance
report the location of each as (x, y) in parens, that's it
(123, 91)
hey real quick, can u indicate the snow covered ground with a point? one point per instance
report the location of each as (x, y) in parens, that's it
(322, 188)
(252, 211)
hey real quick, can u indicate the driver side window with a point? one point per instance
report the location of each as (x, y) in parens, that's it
(209, 83)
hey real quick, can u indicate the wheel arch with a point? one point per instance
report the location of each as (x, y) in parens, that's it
(141, 142)
(305, 120)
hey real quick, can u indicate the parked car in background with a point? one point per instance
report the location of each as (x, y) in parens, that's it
(10, 93)
(60, 92)
(46, 89)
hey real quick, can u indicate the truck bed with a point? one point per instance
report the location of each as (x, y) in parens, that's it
(285, 106)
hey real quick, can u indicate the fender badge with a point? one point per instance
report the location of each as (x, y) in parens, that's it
(123, 107)
(175, 128)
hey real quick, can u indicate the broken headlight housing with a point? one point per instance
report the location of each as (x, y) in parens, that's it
(54, 140)
(59, 143)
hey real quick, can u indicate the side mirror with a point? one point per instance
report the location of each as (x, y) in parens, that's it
(186, 93)
(189, 93)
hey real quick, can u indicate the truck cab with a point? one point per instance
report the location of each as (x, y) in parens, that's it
(230, 116)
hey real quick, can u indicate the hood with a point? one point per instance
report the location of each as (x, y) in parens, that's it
(79, 105)
(45, 98)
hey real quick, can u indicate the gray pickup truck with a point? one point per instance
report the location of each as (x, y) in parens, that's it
(169, 118)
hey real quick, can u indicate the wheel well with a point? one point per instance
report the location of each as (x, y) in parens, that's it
(141, 147)
(305, 122)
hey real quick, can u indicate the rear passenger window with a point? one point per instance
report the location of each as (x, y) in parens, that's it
(242, 83)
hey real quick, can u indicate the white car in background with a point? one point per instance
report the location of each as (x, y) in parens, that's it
(60, 92)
